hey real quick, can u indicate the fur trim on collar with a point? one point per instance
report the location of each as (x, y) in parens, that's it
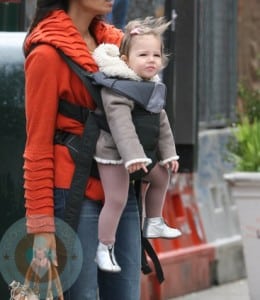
(109, 62)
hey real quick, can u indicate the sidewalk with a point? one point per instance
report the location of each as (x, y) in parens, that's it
(237, 290)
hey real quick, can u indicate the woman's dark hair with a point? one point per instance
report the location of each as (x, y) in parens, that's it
(44, 8)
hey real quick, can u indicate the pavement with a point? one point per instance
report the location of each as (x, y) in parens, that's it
(237, 290)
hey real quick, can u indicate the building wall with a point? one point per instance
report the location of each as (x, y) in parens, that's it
(248, 42)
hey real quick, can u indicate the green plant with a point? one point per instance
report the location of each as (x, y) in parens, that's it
(249, 103)
(244, 146)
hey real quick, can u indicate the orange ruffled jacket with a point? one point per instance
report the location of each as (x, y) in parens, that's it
(49, 79)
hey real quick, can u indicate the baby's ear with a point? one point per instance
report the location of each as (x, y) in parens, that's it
(124, 58)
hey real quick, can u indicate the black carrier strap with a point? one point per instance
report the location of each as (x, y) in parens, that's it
(86, 77)
(82, 150)
(146, 245)
(84, 156)
(73, 111)
(83, 164)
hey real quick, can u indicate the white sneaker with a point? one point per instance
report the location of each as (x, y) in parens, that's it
(156, 228)
(105, 258)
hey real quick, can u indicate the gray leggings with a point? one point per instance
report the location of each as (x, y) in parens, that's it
(115, 181)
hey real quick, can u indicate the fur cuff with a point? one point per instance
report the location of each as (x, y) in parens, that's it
(146, 161)
(108, 161)
(165, 161)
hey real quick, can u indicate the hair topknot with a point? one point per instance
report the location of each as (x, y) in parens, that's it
(139, 27)
(149, 25)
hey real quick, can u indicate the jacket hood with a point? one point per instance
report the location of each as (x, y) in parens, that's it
(108, 59)
(59, 31)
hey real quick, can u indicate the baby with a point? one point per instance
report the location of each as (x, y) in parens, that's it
(141, 140)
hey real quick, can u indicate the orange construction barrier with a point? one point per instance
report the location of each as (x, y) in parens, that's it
(186, 261)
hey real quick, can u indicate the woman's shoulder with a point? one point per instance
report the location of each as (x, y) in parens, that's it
(45, 51)
(44, 55)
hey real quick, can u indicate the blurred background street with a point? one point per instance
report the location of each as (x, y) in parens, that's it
(213, 86)
(237, 290)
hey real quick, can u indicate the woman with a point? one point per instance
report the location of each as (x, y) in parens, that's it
(76, 28)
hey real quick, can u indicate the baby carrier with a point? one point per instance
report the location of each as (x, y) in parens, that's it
(82, 148)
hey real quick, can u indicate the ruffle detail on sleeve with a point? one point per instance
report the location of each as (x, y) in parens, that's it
(38, 183)
(40, 223)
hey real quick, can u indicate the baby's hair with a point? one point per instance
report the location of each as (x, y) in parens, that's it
(149, 25)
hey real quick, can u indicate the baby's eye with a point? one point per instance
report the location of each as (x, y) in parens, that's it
(157, 55)
(142, 54)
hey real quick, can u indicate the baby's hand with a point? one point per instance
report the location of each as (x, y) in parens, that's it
(172, 165)
(136, 167)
